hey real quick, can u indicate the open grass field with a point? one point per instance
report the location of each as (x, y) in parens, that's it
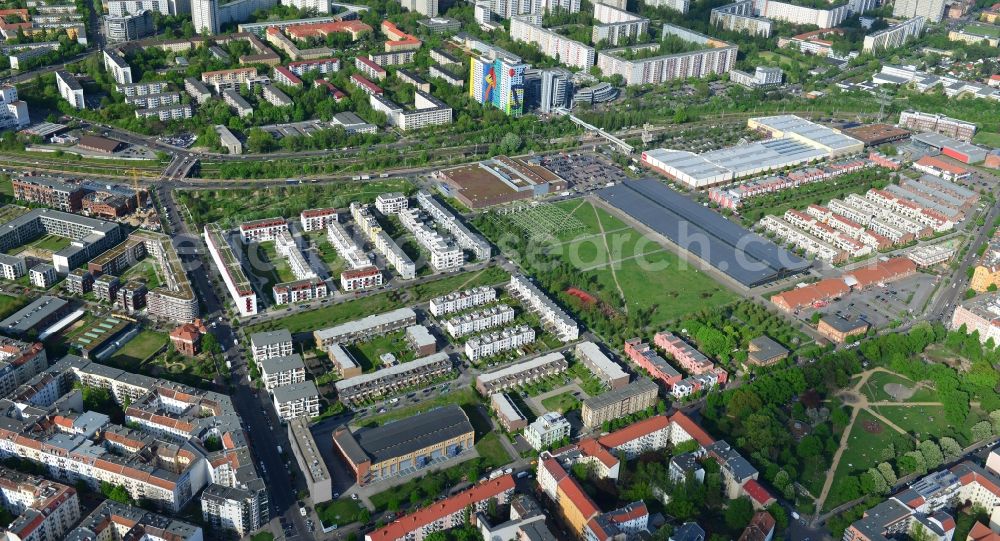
(140, 348)
(339, 512)
(144, 270)
(561, 402)
(987, 138)
(921, 421)
(492, 450)
(875, 389)
(863, 451)
(983, 30)
(230, 207)
(381, 302)
(48, 243)
(770, 56)
(9, 304)
(368, 353)
(647, 274)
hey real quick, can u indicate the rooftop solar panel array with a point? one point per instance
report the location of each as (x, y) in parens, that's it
(745, 257)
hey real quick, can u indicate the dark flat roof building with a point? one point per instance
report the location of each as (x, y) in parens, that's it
(405, 446)
(748, 258)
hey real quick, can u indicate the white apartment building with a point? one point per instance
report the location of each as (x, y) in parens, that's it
(894, 36)
(932, 10)
(284, 370)
(490, 344)
(391, 203)
(299, 291)
(285, 245)
(547, 430)
(12, 267)
(296, 400)
(70, 89)
(552, 316)
(345, 246)
(461, 300)
(317, 219)
(271, 344)
(14, 112)
(231, 269)
(120, 71)
(262, 230)
(42, 275)
(235, 100)
(465, 237)
(423, 7)
(551, 43)
(480, 320)
(120, 8)
(444, 253)
(395, 256)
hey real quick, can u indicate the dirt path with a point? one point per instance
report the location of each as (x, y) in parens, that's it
(614, 275)
(855, 398)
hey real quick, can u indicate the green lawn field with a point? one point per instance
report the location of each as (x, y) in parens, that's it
(863, 452)
(987, 138)
(561, 402)
(875, 388)
(138, 349)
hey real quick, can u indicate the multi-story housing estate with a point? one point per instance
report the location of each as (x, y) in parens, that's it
(551, 43)
(715, 57)
(443, 217)
(547, 430)
(197, 90)
(445, 253)
(317, 219)
(296, 400)
(894, 36)
(233, 98)
(271, 344)
(282, 370)
(19, 362)
(231, 78)
(932, 10)
(619, 403)
(616, 25)
(391, 203)
(90, 236)
(740, 17)
(521, 373)
(13, 111)
(479, 320)
(116, 65)
(159, 457)
(490, 344)
(48, 192)
(552, 316)
(462, 300)
(43, 510)
(12, 267)
(166, 112)
(231, 269)
(600, 365)
(42, 275)
(70, 89)
(498, 80)
(393, 379)
(113, 520)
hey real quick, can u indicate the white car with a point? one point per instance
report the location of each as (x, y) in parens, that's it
(302, 511)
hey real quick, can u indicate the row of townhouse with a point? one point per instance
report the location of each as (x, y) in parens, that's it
(443, 217)
(493, 343)
(300, 291)
(445, 253)
(393, 379)
(384, 244)
(521, 373)
(462, 300)
(480, 320)
(734, 196)
(810, 244)
(361, 274)
(553, 317)
(659, 369)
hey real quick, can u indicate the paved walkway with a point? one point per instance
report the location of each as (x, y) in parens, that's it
(857, 400)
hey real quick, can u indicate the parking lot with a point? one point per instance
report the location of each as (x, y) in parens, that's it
(584, 172)
(879, 306)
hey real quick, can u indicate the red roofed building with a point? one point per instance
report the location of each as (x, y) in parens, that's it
(759, 496)
(262, 230)
(369, 87)
(882, 272)
(337, 94)
(800, 297)
(761, 528)
(941, 168)
(361, 278)
(187, 338)
(284, 76)
(575, 506)
(446, 514)
(305, 31)
(398, 40)
(982, 532)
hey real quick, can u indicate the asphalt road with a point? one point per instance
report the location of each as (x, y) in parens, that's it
(266, 433)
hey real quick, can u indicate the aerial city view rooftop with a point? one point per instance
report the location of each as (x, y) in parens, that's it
(494, 270)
